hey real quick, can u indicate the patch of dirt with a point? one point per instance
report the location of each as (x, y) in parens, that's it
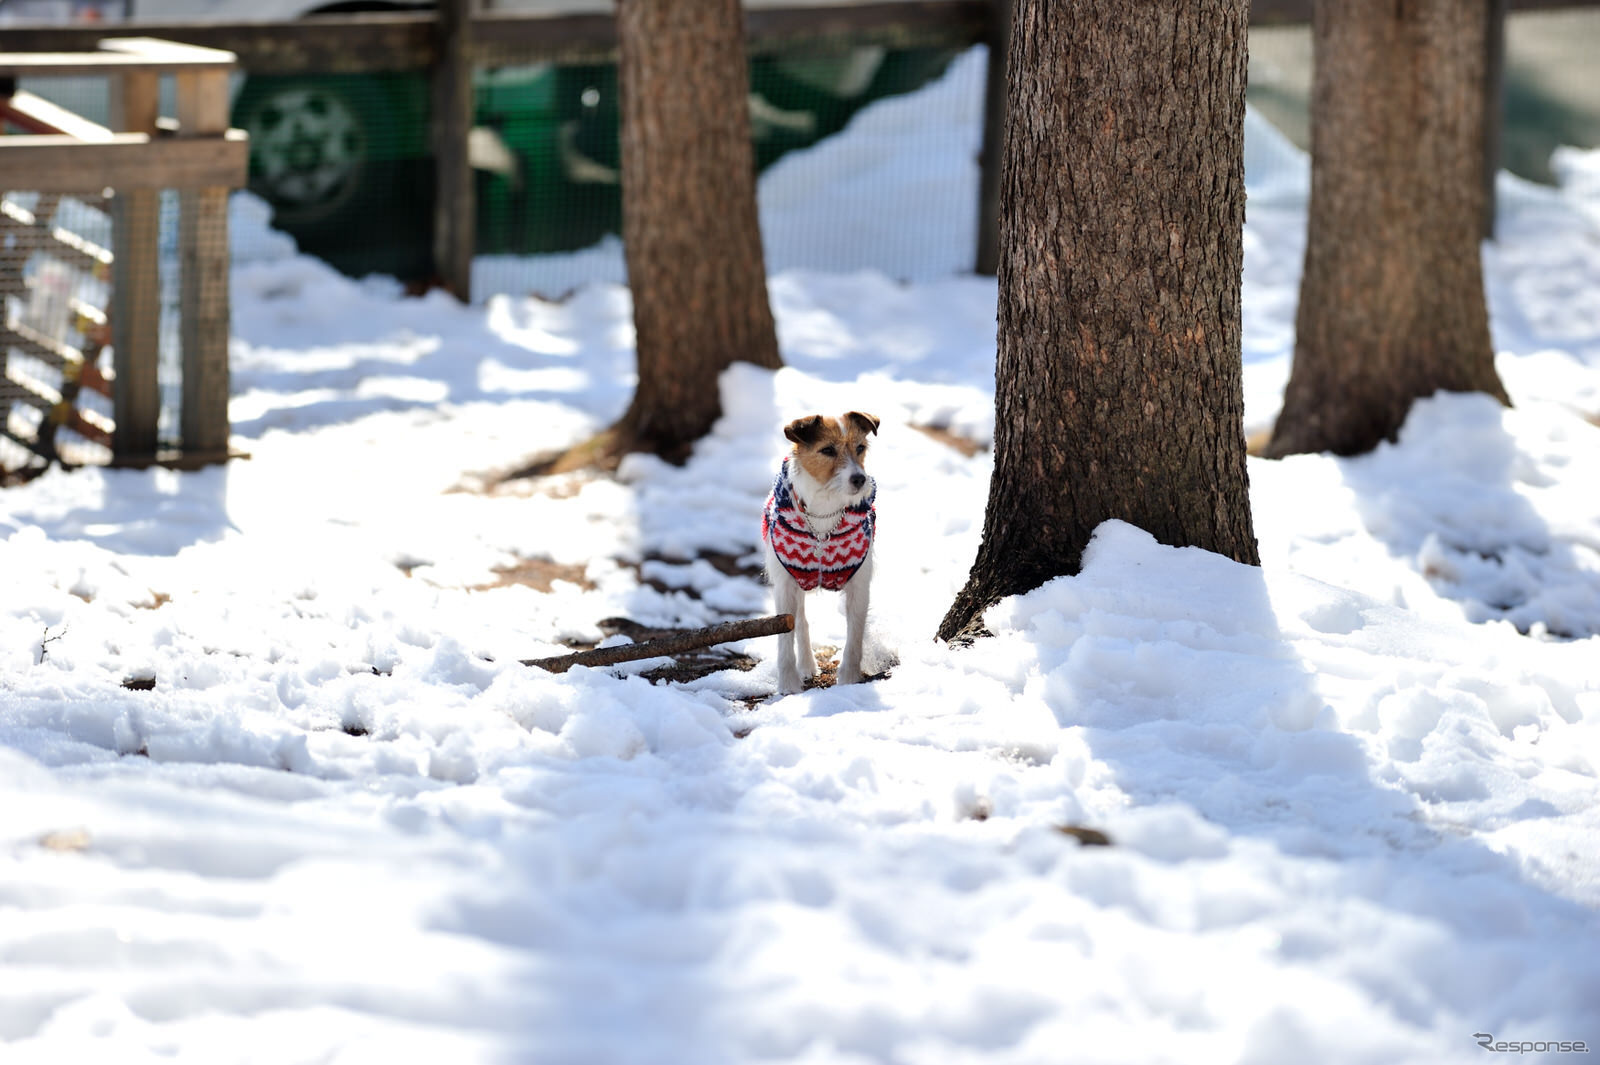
(559, 474)
(967, 446)
(731, 566)
(1088, 837)
(828, 670)
(827, 677)
(540, 574)
(1255, 444)
(598, 454)
(724, 563)
(65, 840)
(517, 481)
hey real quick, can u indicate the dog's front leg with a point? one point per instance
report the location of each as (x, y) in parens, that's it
(787, 598)
(857, 593)
(805, 659)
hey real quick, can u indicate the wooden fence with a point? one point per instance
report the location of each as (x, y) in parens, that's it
(457, 37)
(125, 167)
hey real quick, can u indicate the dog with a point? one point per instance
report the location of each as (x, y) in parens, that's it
(817, 526)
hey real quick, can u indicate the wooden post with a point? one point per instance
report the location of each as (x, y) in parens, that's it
(135, 284)
(203, 264)
(1494, 106)
(8, 285)
(455, 203)
(994, 124)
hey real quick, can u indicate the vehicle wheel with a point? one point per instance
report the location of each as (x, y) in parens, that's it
(342, 161)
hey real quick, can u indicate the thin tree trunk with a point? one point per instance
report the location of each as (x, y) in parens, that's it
(1118, 385)
(690, 230)
(1391, 302)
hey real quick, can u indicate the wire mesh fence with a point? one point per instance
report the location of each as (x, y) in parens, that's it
(345, 161)
(114, 257)
(56, 374)
(54, 270)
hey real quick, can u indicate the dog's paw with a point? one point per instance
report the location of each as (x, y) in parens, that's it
(806, 661)
(848, 676)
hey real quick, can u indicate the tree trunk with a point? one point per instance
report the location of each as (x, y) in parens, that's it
(1391, 302)
(690, 230)
(1118, 385)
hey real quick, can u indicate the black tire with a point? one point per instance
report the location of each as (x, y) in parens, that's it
(343, 161)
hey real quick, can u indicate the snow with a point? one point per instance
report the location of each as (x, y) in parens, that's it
(1352, 793)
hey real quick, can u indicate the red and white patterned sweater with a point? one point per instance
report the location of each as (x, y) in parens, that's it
(811, 560)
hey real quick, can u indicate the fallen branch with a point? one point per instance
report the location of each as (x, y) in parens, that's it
(687, 640)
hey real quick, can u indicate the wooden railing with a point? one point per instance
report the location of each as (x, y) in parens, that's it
(456, 37)
(125, 166)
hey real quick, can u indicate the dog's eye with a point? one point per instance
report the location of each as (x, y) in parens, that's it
(830, 451)
(861, 449)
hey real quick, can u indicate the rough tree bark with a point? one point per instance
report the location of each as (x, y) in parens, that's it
(690, 231)
(1118, 384)
(1391, 302)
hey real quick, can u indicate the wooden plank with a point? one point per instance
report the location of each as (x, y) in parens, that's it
(331, 44)
(88, 425)
(35, 232)
(21, 389)
(15, 217)
(903, 24)
(1298, 12)
(135, 284)
(203, 265)
(125, 161)
(46, 349)
(398, 41)
(171, 53)
(38, 115)
(39, 64)
(1551, 5)
(455, 201)
(203, 294)
(77, 252)
(509, 37)
(202, 100)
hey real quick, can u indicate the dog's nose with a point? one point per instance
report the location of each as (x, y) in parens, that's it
(857, 480)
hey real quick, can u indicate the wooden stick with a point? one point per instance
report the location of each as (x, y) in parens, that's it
(687, 640)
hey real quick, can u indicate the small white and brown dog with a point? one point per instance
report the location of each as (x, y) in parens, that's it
(818, 526)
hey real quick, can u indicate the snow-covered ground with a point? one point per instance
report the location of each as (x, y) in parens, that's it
(1352, 794)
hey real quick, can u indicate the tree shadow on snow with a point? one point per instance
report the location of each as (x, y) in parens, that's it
(1221, 713)
(637, 891)
(141, 512)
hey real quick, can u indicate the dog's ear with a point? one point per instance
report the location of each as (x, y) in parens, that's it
(804, 431)
(865, 422)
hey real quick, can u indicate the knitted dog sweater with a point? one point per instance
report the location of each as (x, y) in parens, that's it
(827, 561)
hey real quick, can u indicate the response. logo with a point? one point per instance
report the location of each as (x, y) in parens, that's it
(1526, 1046)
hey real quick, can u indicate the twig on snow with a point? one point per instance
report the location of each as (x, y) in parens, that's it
(687, 640)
